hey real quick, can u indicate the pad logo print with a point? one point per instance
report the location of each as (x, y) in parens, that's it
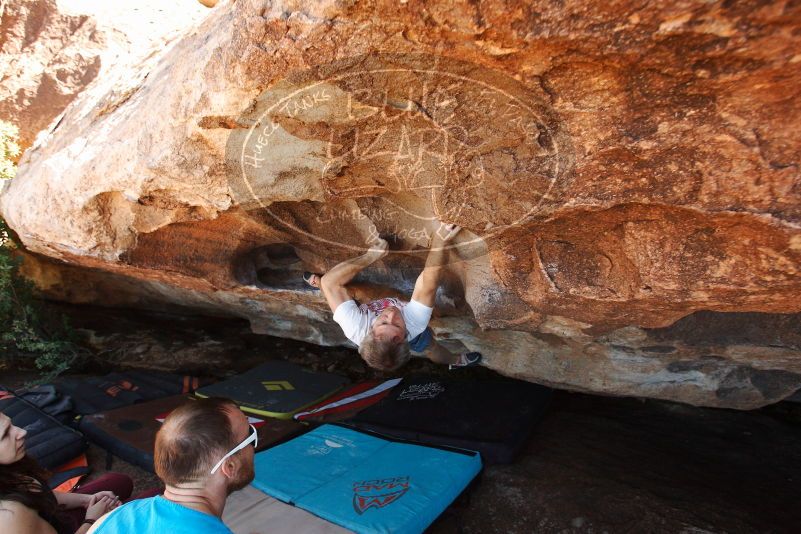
(328, 445)
(277, 385)
(378, 493)
(421, 391)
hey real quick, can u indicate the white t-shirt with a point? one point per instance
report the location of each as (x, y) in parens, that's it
(356, 320)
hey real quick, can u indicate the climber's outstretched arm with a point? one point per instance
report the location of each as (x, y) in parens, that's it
(334, 281)
(425, 288)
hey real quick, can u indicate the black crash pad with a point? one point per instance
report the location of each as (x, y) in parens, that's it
(115, 390)
(493, 417)
(48, 442)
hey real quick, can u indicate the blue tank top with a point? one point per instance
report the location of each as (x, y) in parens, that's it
(158, 514)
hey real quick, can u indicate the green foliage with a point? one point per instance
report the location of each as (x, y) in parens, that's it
(28, 334)
(8, 150)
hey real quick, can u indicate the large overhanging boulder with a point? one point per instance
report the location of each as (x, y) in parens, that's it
(627, 178)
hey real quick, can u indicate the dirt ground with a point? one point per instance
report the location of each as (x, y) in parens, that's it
(593, 465)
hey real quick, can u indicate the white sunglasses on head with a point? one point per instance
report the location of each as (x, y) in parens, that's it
(252, 438)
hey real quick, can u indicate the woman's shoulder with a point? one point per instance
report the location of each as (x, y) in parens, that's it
(18, 518)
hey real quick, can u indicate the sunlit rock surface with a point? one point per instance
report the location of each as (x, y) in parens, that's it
(51, 50)
(46, 59)
(627, 178)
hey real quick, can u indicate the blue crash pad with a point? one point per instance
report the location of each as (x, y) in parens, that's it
(365, 483)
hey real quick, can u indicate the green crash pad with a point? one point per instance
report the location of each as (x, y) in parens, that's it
(276, 389)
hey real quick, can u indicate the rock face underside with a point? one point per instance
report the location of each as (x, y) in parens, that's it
(627, 178)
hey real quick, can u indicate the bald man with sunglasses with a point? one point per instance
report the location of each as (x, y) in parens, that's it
(204, 452)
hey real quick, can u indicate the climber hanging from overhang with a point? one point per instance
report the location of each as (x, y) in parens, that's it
(388, 330)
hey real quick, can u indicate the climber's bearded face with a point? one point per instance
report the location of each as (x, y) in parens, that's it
(389, 325)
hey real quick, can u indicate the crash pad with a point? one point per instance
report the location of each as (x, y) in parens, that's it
(363, 482)
(48, 441)
(276, 388)
(492, 416)
(130, 432)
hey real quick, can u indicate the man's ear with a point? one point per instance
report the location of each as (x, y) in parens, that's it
(229, 467)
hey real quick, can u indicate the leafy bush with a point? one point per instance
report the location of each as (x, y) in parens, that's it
(8, 150)
(28, 333)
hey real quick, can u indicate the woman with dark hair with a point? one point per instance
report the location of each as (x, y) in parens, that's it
(29, 506)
